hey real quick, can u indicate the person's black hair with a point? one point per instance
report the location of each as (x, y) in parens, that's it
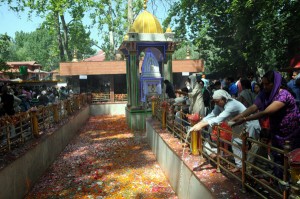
(166, 81)
(259, 85)
(231, 79)
(4, 89)
(246, 84)
(201, 81)
(198, 78)
(250, 75)
(217, 83)
(185, 89)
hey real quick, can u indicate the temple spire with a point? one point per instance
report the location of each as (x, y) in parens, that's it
(145, 4)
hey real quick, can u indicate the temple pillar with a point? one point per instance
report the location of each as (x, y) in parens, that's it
(128, 82)
(168, 70)
(134, 80)
(112, 88)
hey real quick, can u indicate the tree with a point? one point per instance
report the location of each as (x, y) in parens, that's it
(5, 41)
(54, 12)
(114, 18)
(4, 51)
(239, 35)
(36, 46)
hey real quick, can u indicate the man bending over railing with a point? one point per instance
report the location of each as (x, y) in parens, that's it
(226, 108)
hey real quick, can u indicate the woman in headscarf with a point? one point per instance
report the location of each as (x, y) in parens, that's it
(196, 99)
(276, 102)
(225, 109)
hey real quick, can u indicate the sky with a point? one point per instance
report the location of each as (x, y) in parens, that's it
(11, 22)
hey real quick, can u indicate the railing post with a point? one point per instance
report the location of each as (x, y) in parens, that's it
(153, 105)
(295, 174)
(164, 107)
(68, 106)
(89, 98)
(34, 123)
(287, 149)
(218, 148)
(55, 113)
(78, 101)
(244, 148)
(8, 137)
(196, 141)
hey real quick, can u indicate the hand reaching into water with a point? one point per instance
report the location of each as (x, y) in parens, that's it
(199, 126)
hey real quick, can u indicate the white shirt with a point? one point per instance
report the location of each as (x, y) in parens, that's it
(230, 110)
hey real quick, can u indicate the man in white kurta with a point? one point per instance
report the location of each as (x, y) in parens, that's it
(225, 109)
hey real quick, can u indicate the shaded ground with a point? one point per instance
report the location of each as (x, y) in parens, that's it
(104, 161)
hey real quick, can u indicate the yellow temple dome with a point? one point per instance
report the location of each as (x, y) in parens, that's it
(147, 23)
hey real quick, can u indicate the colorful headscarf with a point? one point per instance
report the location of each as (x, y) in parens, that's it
(262, 100)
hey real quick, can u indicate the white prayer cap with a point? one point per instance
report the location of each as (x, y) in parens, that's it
(219, 94)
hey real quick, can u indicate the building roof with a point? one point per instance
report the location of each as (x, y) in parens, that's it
(24, 63)
(119, 67)
(100, 56)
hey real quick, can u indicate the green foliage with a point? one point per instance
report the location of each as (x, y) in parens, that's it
(80, 40)
(239, 35)
(5, 41)
(4, 46)
(35, 46)
(56, 39)
(3, 65)
(185, 50)
(111, 18)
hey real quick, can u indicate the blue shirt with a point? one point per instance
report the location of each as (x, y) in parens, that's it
(233, 89)
(296, 89)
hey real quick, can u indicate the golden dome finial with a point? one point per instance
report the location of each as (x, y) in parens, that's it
(169, 30)
(126, 37)
(131, 29)
(75, 56)
(145, 4)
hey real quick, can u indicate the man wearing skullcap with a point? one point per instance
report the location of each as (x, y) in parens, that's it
(225, 109)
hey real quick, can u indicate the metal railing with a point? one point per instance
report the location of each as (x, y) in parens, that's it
(100, 97)
(17, 129)
(120, 97)
(106, 97)
(252, 176)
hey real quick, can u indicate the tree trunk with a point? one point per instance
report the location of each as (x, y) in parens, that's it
(59, 39)
(65, 38)
(112, 45)
(111, 37)
(130, 14)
